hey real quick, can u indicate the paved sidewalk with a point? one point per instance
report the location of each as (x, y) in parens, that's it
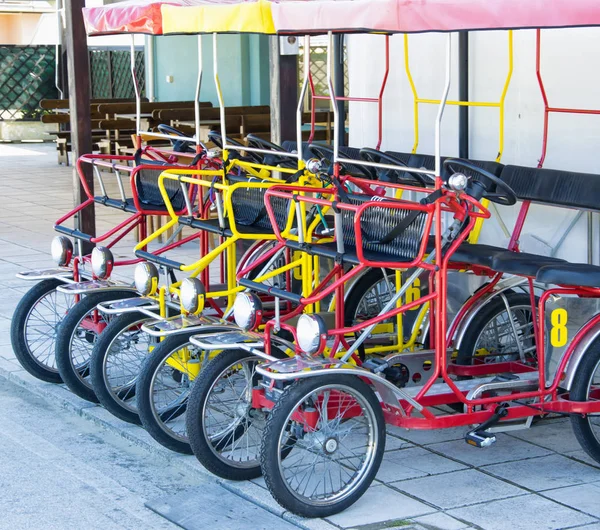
(532, 479)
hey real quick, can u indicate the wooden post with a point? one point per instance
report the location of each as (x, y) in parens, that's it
(284, 93)
(79, 107)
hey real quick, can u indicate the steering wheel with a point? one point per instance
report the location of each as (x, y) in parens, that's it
(324, 152)
(178, 145)
(216, 138)
(274, 159)
(502, 194)
(389, 175)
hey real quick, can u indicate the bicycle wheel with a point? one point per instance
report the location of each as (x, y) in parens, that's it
(34, 329)
(77, 335)
(224, 430)
(163, 388)
(116, 361)
(493, 336)
(586, 385)
(334, 429)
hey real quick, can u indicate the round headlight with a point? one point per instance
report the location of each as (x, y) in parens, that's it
(145, 278)
(102, 262)
(191, 295)
(312, 333)
(61, 250)
(247, 311)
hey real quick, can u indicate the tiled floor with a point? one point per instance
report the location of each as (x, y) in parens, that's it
(534, 479)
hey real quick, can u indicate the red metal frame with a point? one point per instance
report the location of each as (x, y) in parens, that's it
(379, 99)
(547, 108)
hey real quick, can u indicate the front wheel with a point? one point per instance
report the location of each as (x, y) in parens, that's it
(34, 328)
(116, 361)
(586, 387)
(223, 428)
(77, 335)
(322, 445)
(163, 389)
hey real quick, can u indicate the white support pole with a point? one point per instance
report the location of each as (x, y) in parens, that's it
(197, 97)
(442, 106)
(303, 89)
(138, 99)
(219, 92)
(336, 118)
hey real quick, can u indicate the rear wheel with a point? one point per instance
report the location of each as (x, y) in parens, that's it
(76, 338)
(323, 444)
(116, 361)
(586, 387)
(493, 336)
(34, 328)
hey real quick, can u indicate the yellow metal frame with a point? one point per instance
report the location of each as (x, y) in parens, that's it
(474, 236)
(190, 176)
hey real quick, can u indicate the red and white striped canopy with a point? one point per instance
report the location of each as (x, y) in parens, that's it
(158, 17)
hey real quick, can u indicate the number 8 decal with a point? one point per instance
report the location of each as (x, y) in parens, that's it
(558, 332)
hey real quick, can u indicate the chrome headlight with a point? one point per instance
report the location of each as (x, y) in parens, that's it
(145, 278)
(61, 249)
(102, 262)
(191, 295)
(247, 311)
(312, 333)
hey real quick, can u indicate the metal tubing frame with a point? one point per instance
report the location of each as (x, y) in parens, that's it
(560, 110)
(500, 104)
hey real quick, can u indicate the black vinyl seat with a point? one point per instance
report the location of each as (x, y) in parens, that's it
(477, 254)
(522, 263)
(575, 274)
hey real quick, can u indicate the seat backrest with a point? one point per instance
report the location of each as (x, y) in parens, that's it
(249, 205)
(554, 187)
(377, 222)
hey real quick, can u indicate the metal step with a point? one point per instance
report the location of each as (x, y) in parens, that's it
(470, 385)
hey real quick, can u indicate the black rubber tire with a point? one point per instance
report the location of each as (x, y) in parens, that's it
(200, 445)
(579, 392)
(276, 423)
(143, 390)
(63, 343)
(482, 319)
(106, 398)
(17, 332)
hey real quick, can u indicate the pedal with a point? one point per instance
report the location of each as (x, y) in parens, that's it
(478, 437)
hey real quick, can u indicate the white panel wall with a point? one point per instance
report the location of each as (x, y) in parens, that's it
(569, 67)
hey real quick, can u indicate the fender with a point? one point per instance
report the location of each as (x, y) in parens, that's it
(59, 273)
(582, 341)
(506, 284)
(95, 286)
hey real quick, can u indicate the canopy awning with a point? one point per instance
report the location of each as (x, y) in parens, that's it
(161, 17)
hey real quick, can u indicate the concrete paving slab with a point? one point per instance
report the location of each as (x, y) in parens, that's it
(583, 498)
(412, 463)
(556, 435)
(426, 437)
(546, 472)
(523, 513)
(459, 488)
(506, 449)
(440, 521)
(214, 507)
(379, 504)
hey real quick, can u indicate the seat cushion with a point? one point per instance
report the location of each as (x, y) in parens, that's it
(522, 263)
(576, 274)
(473, 254)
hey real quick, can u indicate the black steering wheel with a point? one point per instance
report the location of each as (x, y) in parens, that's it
(178, 145)
(324, 152)
(274, 159)
(216, 138)
(390, 175)
(490, 186)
